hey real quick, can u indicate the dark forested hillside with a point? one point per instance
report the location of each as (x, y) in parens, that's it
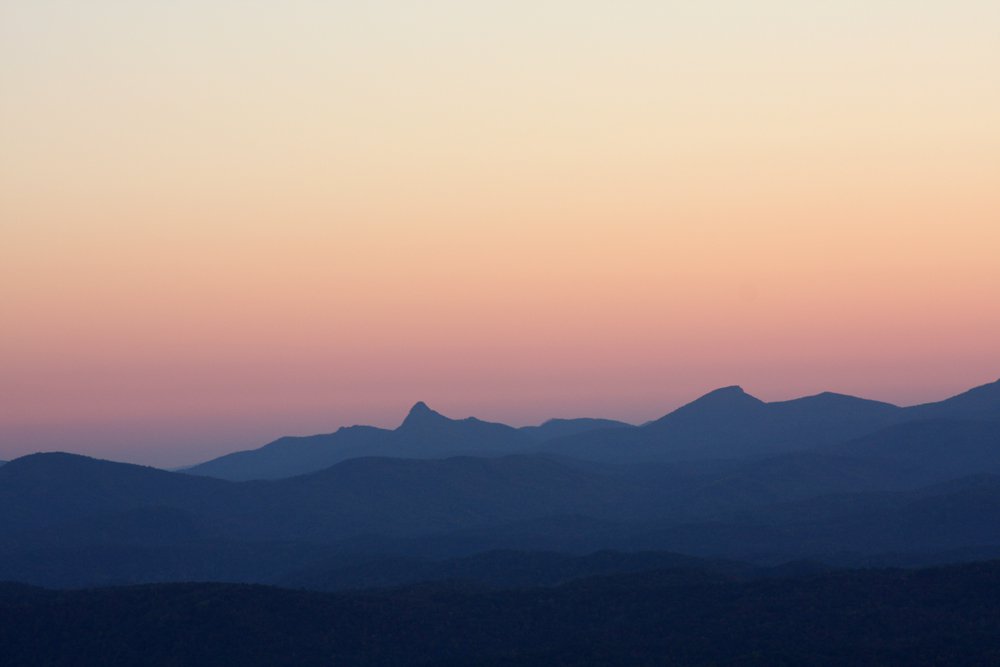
(499, 569)
(665, 617)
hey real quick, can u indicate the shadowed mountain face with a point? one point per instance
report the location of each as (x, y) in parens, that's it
(963, 513)
(53, 499)
(73, 484)
(948, 447)
(65, 499)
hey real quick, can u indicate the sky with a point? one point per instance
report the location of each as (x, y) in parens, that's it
(221, 222)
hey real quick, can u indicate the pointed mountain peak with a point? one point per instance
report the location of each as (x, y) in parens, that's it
(421, 414)
(828, 397)
(722, 403)
(732, 391)
(724, 397)
(420, 408)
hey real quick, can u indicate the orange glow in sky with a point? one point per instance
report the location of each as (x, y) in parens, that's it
(223, 222)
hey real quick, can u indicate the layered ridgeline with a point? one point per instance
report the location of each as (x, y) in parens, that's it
(916, 491)
(726, 423)
(921, 485)
(423, 434)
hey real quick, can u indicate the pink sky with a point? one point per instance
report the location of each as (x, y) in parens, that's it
(220, 227)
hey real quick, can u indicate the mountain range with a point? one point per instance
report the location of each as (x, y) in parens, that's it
(423, 434)
(828, 478)
(723, 424)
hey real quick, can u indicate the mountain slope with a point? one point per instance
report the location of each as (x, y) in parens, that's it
(76, 520)
(59, 498)
(291, 455)
(725, 423)
(423, 434)
(65, 499)
(980, 403)
(558, 428)
(944, 447)
(729, 423)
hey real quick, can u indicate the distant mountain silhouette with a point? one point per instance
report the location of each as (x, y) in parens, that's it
(71, 520)
(980, 403)
(424, 433)
(726, 476)
(421, 416)
(557, 428)
(428, 434)
(724, 423)
(297, 455)
(728, 423)
(729, 402)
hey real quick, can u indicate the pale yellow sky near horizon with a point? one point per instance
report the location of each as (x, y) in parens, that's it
(221, 222)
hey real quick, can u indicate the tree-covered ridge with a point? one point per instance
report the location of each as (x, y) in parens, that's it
(666, 617)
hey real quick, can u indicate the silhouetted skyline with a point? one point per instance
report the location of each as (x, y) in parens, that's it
(225, 223)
